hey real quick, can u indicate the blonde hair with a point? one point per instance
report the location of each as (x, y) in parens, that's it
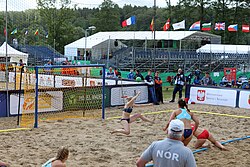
(62, 154)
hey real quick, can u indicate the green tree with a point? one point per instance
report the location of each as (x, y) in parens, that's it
(108, 17)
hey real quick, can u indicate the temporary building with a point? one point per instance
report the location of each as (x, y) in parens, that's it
(72, 49)
(219, 48)
(13, 54)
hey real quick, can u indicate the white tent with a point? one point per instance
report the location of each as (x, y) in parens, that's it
(95, 39)
(13, 54)
(219, 48)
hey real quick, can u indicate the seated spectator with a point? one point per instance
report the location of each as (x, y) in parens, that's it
(110, 73)
(207, 80)
(138, 74)
(224, 81)
(239, 83)
(197, 73)
(169, 152)
(246, 85)
(189, 78)
(196, 81)
(131, 74)
(59, 160)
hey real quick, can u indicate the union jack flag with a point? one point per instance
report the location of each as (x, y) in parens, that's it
(219, 26)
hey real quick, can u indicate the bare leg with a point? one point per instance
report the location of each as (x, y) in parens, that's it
(216, 143)
(125, 130)
(187, 140)
(136, 116)
(199, 143)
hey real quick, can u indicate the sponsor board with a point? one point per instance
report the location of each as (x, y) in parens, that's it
(213, 96)
(118, 93)
(98, 82)
(64, 82)
(129, 82)
(84, 98)
(244, 99)
(47, 101)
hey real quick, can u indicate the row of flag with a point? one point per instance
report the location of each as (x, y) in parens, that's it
(26, 32)
(197, 26)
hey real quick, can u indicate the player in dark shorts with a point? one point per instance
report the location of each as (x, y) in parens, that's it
(127, 119)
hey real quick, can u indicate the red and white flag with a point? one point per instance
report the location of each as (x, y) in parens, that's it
(245, 28)
(167, 25)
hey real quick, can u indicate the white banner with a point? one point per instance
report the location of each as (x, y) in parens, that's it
(98, 82)
(213, 96)
(117, 93)
(244, 99)
(63, 82)
(14, 98)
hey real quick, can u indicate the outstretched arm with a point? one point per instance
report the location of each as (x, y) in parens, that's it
(173, 115)
(130, 102)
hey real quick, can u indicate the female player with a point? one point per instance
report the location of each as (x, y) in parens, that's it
(59, 160)
(126, 119)
(202, 135)
(184, 114)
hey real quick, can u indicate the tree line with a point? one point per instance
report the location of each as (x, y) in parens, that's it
(59, 26)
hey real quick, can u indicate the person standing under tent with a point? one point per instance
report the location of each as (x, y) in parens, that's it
(169, 152)
(151, 87)
(127, 119)
(131, 74)
(184, 114)
(158, 87)
(179, 83)
(110, 73)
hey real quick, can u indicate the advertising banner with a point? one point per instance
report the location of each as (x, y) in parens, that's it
(213, 96)
(64, 82)
(84, 98)
(244, 99)
(47, 101)
(117, 94)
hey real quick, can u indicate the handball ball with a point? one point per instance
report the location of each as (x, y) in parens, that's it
(138, 79)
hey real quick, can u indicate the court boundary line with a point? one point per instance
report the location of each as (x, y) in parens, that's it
(12, 130)
(199, 112)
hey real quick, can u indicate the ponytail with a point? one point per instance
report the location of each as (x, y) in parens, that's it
(187, 107)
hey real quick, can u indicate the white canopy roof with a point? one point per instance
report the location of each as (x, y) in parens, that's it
(218, 48)
(14, 54)
(138, 35)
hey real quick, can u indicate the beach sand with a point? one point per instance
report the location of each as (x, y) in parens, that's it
(92, 145)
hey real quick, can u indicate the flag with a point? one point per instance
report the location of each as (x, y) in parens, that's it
(233, 27)
(245, 28)
(26, 32)
(14, 31)
(206, 27)
(4, 31)
(152, 25)
(179, 25)
(36, 33)
(167, 25)
(129, 21)
(196, 26)
(219, 26)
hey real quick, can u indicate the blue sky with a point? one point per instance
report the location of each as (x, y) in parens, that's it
(31, 4)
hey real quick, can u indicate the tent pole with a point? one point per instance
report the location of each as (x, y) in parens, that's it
(6, 59)
(180, 46)
(108, 52)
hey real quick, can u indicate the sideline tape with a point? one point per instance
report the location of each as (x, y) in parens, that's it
(199, 112)
(11, 130)
(203, 149)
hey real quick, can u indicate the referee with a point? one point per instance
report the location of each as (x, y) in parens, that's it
(179, 83)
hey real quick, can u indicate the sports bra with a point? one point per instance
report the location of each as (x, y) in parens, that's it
(128, 110)
(184, 115)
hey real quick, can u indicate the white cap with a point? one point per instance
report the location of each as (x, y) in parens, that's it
(176, 126)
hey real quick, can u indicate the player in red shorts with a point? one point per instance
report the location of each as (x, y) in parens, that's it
(202, 135)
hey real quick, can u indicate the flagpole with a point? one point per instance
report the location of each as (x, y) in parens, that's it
(154, 55)
(6, 59)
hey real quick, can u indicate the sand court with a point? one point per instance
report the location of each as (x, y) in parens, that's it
(91, 143)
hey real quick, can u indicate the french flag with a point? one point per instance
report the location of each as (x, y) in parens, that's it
(233, 27)
(129, 21)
